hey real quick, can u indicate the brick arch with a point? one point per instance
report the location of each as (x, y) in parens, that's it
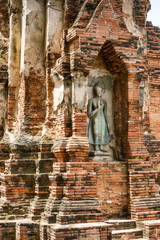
(121, 57)
(112, 59)
(116, 66)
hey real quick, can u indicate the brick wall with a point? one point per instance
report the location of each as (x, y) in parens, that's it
(152, 139)
(77, 190)
(112, 189)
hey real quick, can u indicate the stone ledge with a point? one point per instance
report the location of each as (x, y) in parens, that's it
(79, 225)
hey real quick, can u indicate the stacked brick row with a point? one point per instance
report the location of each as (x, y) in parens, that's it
(19, 230)
(27, 230)
(145, 205)
(7, 230)
(44, 169)
(18, 184)
(32, 102)
(25, 182)
(72, 9)
(79, 203)
(55, 197)
(140, 11)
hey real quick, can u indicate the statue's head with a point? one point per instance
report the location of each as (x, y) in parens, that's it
(98, 90)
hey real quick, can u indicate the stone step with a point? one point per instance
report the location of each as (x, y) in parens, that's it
(127, 233)
(151, 203)
(119, 224)
(79, 218)
(139, 239)
(26, 155)
(148, 215)
(147, 207)
(36, 209)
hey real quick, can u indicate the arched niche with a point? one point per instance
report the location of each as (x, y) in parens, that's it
(112, 182)
(111, 73)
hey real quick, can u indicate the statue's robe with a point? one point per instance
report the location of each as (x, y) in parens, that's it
(98, 126)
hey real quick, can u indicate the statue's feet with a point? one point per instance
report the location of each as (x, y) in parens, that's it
(102, 148)
(96, 148)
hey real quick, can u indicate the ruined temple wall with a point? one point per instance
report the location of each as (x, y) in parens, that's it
(47, 100)
(95, 30)
(112, 189)
(124, 55)
(154, 80)
(33, 92)
(33, 47)
(31, 109)
(152, 96)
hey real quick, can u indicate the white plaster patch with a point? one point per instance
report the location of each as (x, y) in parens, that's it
(53, 31)
(58, 94)
(109, 201)
(127, 9)
(58, 91)
(79, 94)
(33, 26)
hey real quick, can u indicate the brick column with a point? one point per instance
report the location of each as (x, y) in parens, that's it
(31, 111)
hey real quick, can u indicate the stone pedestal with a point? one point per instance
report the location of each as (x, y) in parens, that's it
(99, 156)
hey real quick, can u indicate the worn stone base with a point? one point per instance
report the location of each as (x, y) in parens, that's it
(89, 231)
(100, 156)
(151, 229)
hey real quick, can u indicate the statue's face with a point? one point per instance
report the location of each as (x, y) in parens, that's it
(98, 91)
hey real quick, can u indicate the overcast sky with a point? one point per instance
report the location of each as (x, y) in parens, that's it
(154, 13)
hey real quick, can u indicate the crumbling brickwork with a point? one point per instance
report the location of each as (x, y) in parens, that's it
(52, 54)
(4, 35)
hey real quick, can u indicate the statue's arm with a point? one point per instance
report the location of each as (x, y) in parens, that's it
(90, 111)
(105, 115)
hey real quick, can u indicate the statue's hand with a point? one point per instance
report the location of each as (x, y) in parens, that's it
(101, 105)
